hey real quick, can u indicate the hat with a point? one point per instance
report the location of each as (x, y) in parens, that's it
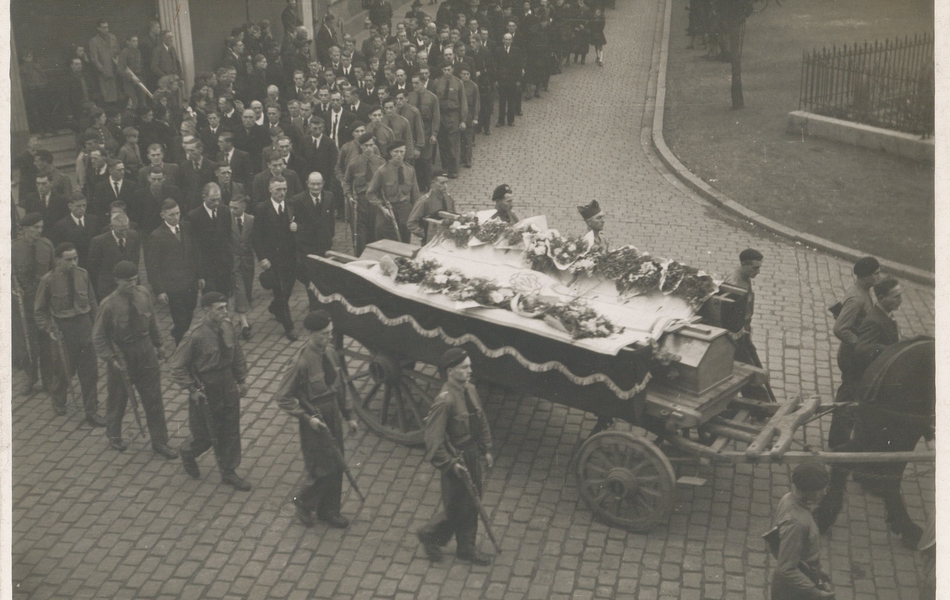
(125, 269)
(318, 320)
(416, 3)
(269, 279)
(453, 357)
(357, 124)
(396, 144)
(365, 137)
(500, 191)
(810, 477)
(212, 298)
(866, 266)
(31, 219)
(589, 211)
(441, 177)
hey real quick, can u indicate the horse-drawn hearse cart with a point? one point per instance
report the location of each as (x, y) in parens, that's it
(565, 332)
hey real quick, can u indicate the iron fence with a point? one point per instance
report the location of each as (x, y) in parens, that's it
(887, 84)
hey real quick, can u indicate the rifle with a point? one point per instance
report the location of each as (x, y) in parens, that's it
(18, 292)
(336, 451)
(466, 478)
(388, 209)
(130, 390)
(352, 218)
(61, 349)
(138, 82)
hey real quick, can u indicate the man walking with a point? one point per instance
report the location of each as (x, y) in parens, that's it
(210, 365)
(274, 245)
(170, 265)
(453, 105)
(314, 392)
(211, 225)
(64, 308)
(457, 438)
(359, 173)
(313, 213)
(126, 337)
(32, 257)
(242, 253)
(394, 191)
(110, 248)
(750, 264)
(509, 70)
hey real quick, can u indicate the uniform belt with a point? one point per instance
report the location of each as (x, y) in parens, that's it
(84, 315)
(398, 201)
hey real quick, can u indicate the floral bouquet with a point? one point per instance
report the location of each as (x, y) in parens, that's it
(414, 271)
(483, 291)
(613, 264)
(516, 235)
(443, 281)
(530, 306)
(537, 248)
(673, 274)
(641, 278)
(565, 251)
(461, 229)
(579, 320)
(493, 230)
(696, 289)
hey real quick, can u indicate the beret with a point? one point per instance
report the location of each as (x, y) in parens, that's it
(357, 124)
(318, 320)
(749, 254)
(365, 137)
(453, 357)
(269, 279)
(396, 144)
(810, 477)
(590, 210)
(500, 192)
(125, 269)
(213, 298)
(866, 266)
(30, 219)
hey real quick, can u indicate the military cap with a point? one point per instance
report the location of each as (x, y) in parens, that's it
(318, 320)
(365, 137)
(453, 357)
(396, 144)
(589, 211)
(212, 298)
(125, 269)
(866, 266)
(810, 477)
(500, 192)
(30, 219)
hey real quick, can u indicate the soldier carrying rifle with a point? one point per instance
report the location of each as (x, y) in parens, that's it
(313, 390)
(31, 257)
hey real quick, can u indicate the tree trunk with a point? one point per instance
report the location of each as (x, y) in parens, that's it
(735, 52)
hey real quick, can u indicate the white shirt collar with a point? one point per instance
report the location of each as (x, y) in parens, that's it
(80, 221)
(208, 210)
(117, 237)
(260, 121)
(171, 227)
(277, 205)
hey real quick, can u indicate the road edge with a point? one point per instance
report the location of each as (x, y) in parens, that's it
(723, 201)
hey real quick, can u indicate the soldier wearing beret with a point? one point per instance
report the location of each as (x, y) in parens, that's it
(457, 438)
(394, 190)
(438, 199)
(126, 337)
(31, 256)
(594, 218)
(359, 173)
(64, 308)
(798, 572)
(314, 392)
(504, 199)
(210, 365)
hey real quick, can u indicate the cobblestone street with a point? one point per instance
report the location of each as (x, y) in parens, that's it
(90, 522)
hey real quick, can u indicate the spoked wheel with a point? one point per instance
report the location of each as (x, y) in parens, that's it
(390, 395)
(626, 480)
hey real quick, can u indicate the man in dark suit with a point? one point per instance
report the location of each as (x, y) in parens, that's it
(260, 190)
(209, 135)
(238, 160)
(326, 39)
(293, 160)
(156, 158)
(195, 173)
(146, 205)
(78, 229)
(339, 121)
(878, 329)
(211, 224)
(45, 201)
(165, 58)
(319, 151)
(108, 249)
(170, 266)
(274, 245)
(251, 138)
(313, 213)
(116, 187)
(509, 69)
(368, 92)
(242, 251)
(229, 189)
(357, 107)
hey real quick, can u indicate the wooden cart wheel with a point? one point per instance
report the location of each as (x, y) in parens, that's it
(391, 396)
(626, 480)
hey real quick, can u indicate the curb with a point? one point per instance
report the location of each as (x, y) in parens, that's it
(721, 200)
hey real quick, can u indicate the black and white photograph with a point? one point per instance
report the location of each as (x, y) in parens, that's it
(473, 300)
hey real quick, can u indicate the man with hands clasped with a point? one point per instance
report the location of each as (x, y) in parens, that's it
(457, 437)
(313, 390)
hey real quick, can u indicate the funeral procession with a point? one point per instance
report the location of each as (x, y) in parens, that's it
(441, 299)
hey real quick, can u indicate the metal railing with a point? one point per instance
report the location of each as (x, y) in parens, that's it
(887, 84)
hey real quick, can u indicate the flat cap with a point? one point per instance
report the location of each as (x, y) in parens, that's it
(500, 192)
(30, 219)
(318, 320)
(125, 269)
(810, 477)
(212, 298)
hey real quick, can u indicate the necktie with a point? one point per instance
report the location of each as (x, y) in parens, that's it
(122, 243)
(46, 201)
(82, 221)
(240, 225)
(280, 210)
(336, 123)
(196, 165)
(70, 281)
(214, 214)
(133, 317)
(177, 233)
(399, 176)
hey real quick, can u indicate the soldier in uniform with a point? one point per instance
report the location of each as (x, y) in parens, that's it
(210, 365)
(438, 199)
(64, 308)
(453, 105)
(504, 199)
(314, 392)
(358, 175)
(457, 438)
(594, 218)
(32, 258)
(126, 337)
(394, 191)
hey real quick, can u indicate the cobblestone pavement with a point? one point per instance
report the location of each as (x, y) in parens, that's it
(93, 523)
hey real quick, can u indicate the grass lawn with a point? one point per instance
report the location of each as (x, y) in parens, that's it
(864, 199)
